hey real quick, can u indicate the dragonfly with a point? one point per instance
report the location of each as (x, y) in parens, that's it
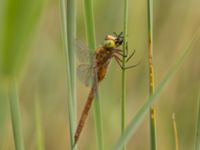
(94, 72)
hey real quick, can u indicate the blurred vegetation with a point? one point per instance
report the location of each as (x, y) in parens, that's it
(44, 73)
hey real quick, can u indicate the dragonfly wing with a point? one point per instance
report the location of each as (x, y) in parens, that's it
(84, 54)
(85, 74)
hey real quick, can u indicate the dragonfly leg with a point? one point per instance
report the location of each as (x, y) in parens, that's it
(119, 61)
(130, 56)
(115, 34)
(127, 53)
(120, 52)
(118, 58)
(127, 48)
(133, 66)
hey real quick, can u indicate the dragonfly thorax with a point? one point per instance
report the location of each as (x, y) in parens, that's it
(109, 44)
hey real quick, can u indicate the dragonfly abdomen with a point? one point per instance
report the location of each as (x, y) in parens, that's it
(101, 73)
(85, 112)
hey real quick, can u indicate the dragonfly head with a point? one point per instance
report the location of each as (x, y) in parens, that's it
(113, 41)
(119, 39)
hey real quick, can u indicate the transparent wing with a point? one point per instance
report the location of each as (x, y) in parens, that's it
(85, 74)
(84, 54)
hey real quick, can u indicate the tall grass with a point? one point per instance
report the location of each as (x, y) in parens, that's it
(71, 34)
(16, 117)
(152, 113)
(18, 21)
(90, 31)
(3, 115)
(71, 89)
(123, 80)
(175, 132)
(197, 136)
(38, 125)
(136, 121)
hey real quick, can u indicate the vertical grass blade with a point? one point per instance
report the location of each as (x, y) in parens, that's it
(3, 115)
(197, 142)
(38, 124)
(19, 20)
(70, 101)
(90, 31)
(152, 113)
(15, 117)
(123, 86)
(71, 34)
(175, 132)
(89, 23)
(98, 123)
(136, 121)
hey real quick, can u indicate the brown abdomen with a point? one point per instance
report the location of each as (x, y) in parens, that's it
(101, 73)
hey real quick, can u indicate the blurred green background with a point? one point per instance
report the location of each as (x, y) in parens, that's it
(44, 75)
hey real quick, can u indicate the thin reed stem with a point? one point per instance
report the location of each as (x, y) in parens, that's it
(71, 36)
(90, 31)
(175, 132)
(38, 124)
(15, 117)
(98, 122)
(89, 24)
(71, 90)
(123, 90)
(197, 142)
(152, 115)
(3, 115)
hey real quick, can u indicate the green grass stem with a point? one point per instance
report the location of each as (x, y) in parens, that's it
(152, 112)
(15, 117)
(70, 101)
(123, 87)
(136, 121)
(3, 116)
(90, 31)
(71, 34)
(176, 139)
(38, 125)
(89, 23)
(18, 20)
(197, 140)
(98, 122)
